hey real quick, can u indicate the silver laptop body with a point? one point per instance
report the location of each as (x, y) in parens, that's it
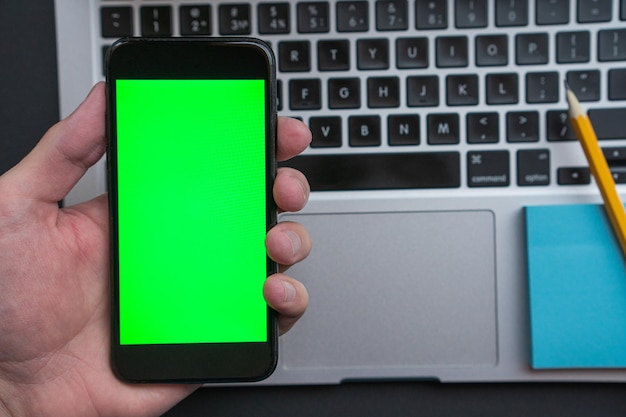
(409, 278)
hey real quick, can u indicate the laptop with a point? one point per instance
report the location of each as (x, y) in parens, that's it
(435, 124)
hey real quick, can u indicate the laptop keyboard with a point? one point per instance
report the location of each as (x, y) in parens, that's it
(425, 93)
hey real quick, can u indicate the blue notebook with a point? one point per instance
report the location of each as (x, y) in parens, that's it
(577, 284)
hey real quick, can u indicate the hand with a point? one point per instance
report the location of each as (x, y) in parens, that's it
(54, 277)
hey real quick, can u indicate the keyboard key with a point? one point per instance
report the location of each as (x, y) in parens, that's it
(586, 84)
(542, 87)
(344, 93)
(403, 129)
(502, 88)
(352, 16)
(612, 45)
(531, 49)
(373, 54)
(604, 122)
(558, 126)
(313, 17)
(305, 94)
(452, 51)
(392, 15)
(443, 129)
(364, 131)
(617, 84)
(195, 20)
(379, 171)
(156, 21)
(383, 92)
(422, 91)
(274, 18)
(411, 53)
(488, 169)
(325, 131)
(462, 90)
(511, 13)
(616, 158)
(470, 13)
(616, 154)
(618, 174)
(533, 167)
(294, 56)
(116, 22)
(522, 126)
(333, 55)
(234, 19)
(573, 176)
(572, 47)
(622, 9)
(431, 14)
(483, 128)
(492, 50)
(552, 12)
(592, 11)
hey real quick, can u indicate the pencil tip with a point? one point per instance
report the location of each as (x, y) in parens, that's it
(574, 106)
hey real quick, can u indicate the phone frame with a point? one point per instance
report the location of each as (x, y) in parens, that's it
(190, 58)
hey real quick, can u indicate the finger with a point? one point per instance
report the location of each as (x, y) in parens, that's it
(291, 190)
(288, 243)
(293, 137)
(288, 297)
(65, 152)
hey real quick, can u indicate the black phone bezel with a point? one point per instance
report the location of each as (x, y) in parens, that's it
(190, 58)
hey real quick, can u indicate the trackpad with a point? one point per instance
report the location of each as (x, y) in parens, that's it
(396, 289)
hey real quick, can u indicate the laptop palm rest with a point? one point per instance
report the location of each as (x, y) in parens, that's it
(388, 290)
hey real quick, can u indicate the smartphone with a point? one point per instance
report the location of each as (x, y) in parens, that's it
(191, 163)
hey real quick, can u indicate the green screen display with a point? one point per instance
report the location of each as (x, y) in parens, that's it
(191, 180)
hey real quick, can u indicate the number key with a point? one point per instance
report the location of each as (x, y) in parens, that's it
(313, 17)
(195, 20)
(391, 15)
(431, 14)
(235, 19)
(156, 21)
(352, 16)
(471, 13)
(511, 12)
(273, 18)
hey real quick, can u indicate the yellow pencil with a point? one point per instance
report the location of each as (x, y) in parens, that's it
(599, 168)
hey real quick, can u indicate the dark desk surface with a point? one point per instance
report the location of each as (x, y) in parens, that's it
(29, 92)
(28, 76)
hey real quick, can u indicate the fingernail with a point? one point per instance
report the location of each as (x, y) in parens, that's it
(290, 291)
(296, 243)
